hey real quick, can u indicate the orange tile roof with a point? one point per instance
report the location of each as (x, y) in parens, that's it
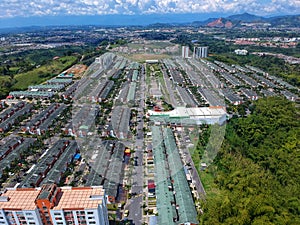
(20, 199)
(79, 198)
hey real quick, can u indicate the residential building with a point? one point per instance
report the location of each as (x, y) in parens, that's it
(185, 52)
(241, 51)
(54, 205)
(200, 52)
(18, 207)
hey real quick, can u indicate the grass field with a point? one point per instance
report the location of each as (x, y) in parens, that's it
(43, 73)
(207, 180)
(144, 57)
(151, 44)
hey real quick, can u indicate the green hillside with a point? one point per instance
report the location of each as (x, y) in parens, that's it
(257, 170)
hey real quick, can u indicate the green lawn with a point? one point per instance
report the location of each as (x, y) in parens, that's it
(43, 73)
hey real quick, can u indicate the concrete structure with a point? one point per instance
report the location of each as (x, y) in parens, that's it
(241, 51)
(53, 205)
(200, 52)
(152, 61)
(185, 52)
(18, 207)
(182, 115)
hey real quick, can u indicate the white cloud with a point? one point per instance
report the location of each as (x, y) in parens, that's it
(11, 8)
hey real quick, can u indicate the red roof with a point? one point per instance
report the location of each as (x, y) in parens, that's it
(151, 186)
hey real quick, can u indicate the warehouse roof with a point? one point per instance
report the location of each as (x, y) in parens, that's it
(131, 92)
(168, 166)
(182, 112)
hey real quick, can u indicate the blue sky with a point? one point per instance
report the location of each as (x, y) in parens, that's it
(29, 8)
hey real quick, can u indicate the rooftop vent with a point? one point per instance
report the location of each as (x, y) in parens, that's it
(4, 198)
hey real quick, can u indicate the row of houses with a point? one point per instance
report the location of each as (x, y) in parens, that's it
(69, 93)
(9, 146)
(83, 120)
(12, 117)
(106, 167)
(41, 122)
(12, 150)
(31, 94)
(100, 93)
(43, 91)
(120, 121)
(58, 157)
(10, 111)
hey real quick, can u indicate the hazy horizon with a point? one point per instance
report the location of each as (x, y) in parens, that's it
(16, 13)
(112, 20)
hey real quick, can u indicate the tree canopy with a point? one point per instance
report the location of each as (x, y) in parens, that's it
(257, 169)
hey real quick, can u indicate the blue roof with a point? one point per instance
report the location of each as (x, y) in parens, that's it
(77, 156)
(153, 220)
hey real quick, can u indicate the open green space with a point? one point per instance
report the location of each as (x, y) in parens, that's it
(151, 45)
(43, 73)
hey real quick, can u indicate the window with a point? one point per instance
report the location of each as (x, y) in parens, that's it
(90, 213)
(92, 222)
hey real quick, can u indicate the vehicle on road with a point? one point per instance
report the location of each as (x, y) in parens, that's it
(126, 213)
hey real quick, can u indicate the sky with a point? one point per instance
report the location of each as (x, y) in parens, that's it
(23, 13)
(29, 8)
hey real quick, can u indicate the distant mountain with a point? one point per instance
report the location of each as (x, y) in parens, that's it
(155, 20)
(237, 20)
(245, 17)
(106, 20)
(221, 22)
(290, 20)
(230, 21)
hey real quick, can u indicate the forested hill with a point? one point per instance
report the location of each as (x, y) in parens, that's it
(258, 169)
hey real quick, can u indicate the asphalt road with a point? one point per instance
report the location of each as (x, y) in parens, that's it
(135, 203)
(193, 171)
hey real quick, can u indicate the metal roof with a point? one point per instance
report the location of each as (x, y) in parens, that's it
(174, 199)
